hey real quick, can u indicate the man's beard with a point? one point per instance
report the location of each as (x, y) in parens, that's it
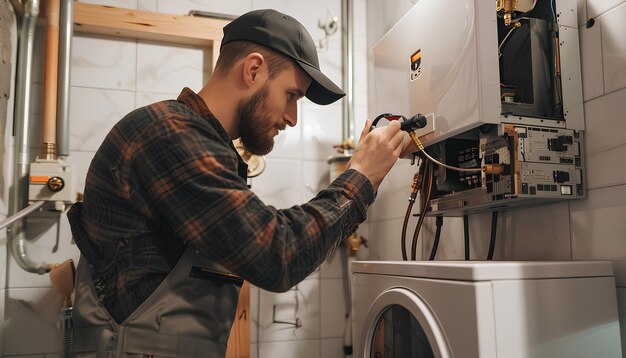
(256, 128)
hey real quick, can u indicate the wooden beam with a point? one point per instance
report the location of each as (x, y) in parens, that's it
(144, 25)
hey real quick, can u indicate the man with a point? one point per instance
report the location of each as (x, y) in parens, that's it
(168, 228)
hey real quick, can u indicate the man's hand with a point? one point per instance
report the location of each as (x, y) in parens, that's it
(408, 147)
(377, 151)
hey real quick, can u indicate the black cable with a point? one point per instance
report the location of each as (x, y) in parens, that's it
(492, 241)
(426, 190)
(404, 225)
(466, 235)
(439, 224)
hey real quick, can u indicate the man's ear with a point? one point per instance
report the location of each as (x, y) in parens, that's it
(253, 72)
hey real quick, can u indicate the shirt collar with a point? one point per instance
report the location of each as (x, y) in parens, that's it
(197, 104)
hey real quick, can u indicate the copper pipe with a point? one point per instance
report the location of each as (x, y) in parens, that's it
(48, 150)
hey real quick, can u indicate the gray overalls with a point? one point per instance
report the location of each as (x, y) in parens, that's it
(188, 315)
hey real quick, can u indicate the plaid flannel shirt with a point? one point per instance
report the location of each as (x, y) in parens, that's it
(167, 176)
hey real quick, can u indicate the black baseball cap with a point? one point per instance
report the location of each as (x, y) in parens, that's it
(285, 35)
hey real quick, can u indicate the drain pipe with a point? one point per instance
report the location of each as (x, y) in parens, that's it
(66, 21)
(19, 198)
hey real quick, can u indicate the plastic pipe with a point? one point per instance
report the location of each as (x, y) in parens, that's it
(347, 49)
(50, 80)
(66, 25)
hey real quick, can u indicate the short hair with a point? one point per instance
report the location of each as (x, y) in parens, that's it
(237, 50)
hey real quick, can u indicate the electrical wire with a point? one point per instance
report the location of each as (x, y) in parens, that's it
(515, 26)
(466, 236)
(438, 224)
(420, 146)
(413, 135)
(492, 240)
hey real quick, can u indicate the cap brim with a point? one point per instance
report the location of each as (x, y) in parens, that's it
(322, 90)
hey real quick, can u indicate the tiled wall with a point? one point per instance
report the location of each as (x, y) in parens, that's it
(593, 228)
(112, 76)
(109, 78)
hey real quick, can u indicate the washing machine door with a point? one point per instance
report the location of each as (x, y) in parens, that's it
(400, 325)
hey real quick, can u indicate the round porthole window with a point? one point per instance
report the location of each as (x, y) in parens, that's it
(398, 334)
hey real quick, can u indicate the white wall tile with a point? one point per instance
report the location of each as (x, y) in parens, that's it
(334, 265)
(288, 143)
(80, 162)
(536, 233)
(599, 7)
(613, 26)
(167, 68)
(315, 177)
(533, 233)
(41, 234)
(101, 62)
(598, 225)
(393, 193)
(308, 13)
(591, 61)
(452, 239)
(279, 184)
(254, 314)
(360, 25)
(147, 5)
(39, 54)
(182, 7)
(605, 141)
(385, 239)
(31, 321)
(334, 308)
(321, 129)
(93, 112)
(146, 98)
(332, 348)
(360, 116)
(360, 78)
(300, 349)
(36, 116)
(127, 4)
(302, 301)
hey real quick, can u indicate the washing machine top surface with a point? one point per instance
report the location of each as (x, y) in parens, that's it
(485, 270)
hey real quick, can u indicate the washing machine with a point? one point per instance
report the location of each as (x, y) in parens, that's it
(467, 309)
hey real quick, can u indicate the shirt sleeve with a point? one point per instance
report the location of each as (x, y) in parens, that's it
(186, 175)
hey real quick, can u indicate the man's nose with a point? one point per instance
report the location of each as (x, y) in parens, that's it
(291, 115)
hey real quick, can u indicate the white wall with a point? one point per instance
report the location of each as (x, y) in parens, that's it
(109, 78)
(590, 229)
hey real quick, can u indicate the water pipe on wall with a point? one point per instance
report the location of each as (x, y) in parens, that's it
(23, 103)
(66, 21)
(347, 50)
(50, 81)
